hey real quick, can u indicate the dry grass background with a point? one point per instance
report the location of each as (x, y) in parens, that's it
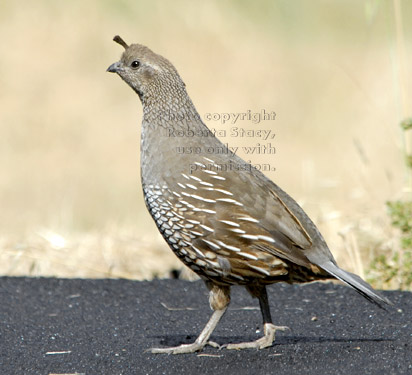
(70, 196)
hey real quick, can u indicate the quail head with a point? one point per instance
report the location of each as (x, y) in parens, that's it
(223, 218)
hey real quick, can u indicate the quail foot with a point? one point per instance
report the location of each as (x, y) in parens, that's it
(223, 218)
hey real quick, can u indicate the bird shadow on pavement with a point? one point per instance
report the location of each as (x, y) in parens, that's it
(175, 340)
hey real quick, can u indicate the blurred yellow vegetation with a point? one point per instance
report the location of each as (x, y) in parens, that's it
(70, 195)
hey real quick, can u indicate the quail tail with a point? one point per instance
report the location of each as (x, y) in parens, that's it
(357, 283)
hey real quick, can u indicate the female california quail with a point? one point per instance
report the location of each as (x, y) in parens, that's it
(223, 218)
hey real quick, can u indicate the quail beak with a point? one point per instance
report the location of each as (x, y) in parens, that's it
(114, 68)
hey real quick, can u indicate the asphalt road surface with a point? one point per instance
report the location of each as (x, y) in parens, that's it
(55, 326)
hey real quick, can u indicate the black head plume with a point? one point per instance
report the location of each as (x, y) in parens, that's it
(119, 40)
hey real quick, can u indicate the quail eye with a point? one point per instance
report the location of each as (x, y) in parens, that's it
(135, 64)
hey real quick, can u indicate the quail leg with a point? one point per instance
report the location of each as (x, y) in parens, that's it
(219, 299)
(200, 342)
(269, 329)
